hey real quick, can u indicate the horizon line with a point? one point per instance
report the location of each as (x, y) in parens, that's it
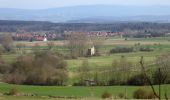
(81, 6)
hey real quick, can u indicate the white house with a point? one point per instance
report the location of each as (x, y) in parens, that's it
(45, 39)
(91, 51)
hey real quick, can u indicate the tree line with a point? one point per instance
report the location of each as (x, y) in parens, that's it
(155, 29)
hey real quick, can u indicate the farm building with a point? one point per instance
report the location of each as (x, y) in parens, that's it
(91, 51)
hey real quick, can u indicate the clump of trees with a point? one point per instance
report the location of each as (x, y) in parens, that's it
(77, 44)
(41, 68)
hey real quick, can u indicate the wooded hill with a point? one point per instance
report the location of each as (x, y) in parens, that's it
(126, 27)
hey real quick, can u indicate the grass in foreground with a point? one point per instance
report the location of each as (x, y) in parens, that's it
(76, 91)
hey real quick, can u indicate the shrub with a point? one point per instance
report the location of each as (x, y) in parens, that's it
(143, 94)
(139, 94)
(122, 50)
(106, 95)
(14, 78)
(78, 84)
(137, 44)
(42, 68)
(74, 57)
(151, 95)
(146, 49)
(138, 80)
(121, 95)
(4, 68)
(112, 82)
(13, 91)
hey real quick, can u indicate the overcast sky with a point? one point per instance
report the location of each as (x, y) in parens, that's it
(43, 4)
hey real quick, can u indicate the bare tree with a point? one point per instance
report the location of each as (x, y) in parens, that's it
(97, 42)
(162, 65)
(162, 75)
(125, 69)
(77, 44)
(7, 42)
(84, 70)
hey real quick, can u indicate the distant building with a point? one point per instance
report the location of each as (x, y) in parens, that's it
(90, 82)
(96, 33)
(45, 39)
(167, 34)
(91, 51)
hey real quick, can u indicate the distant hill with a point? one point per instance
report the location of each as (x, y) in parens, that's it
(90, 14)
(151, 18)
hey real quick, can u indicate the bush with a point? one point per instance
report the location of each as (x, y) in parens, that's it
(138, 80)
(122, 50)
(121, 95)
(143, 94)
(151, 95)
(12, 91)
(113, 82)
(4, 68)
(139, 94)
(106, 95)
(78, 84)
(42, 68)
(146, 49)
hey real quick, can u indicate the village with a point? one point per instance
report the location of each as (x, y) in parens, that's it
(42, 36)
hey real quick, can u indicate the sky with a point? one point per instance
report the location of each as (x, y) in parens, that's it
(44, 4)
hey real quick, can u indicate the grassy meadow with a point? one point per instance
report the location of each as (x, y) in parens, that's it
(66, 91)
(160, 45)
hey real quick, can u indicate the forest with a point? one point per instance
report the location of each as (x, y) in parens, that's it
(155, 29)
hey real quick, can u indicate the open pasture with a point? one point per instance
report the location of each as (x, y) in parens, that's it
(160, 46)
(66, 91)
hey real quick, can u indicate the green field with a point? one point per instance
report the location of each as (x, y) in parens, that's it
(160, 46)
(67, 91)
